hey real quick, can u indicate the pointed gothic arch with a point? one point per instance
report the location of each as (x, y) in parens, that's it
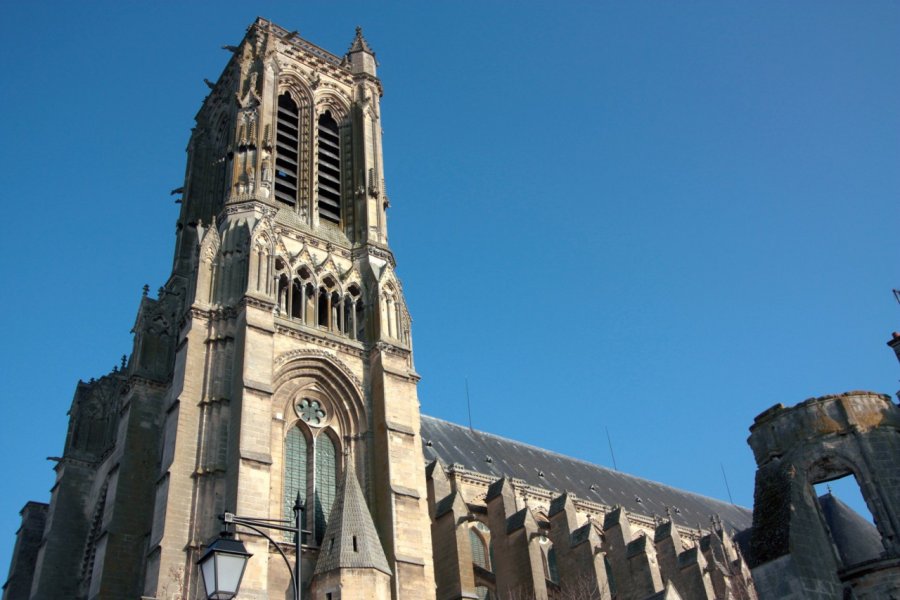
(292, 143)
(338, 386)
(320, 398)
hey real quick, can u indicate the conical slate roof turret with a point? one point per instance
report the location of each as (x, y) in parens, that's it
(350, 540)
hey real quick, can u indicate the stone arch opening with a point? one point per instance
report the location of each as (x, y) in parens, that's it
(843, 511)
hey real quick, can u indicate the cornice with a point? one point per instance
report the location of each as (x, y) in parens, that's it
(376, 251)
(389, 348)
(290, 329)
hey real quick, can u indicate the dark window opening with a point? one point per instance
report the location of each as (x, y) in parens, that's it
(296, 300)
(323, 308)
(360, 323)
(355, 549)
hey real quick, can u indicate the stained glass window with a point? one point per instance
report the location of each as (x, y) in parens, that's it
(294, 470)
(478, 556)
(551, 565)
(483, 593)
(326, 482)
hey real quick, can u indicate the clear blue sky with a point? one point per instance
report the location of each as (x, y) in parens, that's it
(659, 218)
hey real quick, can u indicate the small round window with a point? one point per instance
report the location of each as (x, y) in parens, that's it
(310, 411)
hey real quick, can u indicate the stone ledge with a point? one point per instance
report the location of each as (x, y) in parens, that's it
(405, 491)
(409, 560)
(258, 386)
(399, 428)
(257, 457)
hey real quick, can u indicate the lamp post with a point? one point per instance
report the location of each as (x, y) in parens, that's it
(222, 564)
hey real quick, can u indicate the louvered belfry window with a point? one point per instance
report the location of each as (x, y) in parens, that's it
(326, 482)
(329, 169)
(287, 141)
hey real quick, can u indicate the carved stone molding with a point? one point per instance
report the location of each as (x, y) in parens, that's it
(322, 341)
(313, 352)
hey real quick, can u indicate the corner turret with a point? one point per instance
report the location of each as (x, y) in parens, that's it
(362, 58)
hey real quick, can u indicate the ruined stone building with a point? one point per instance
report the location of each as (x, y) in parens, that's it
(277, 360)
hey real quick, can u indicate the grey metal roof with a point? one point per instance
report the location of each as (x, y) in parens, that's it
(496, 456)
(857, 539)
(350, 540)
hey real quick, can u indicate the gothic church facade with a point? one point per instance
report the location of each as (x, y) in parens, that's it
(277, 361)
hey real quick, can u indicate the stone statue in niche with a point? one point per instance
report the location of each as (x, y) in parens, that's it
(266, 175)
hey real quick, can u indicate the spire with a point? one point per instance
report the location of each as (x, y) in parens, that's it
(360, 44)
(362, 59)
(350, 539)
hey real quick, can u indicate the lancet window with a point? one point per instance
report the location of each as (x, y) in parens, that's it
(479, 554)
(548, 555)
(311, 467)
(329, 162)
(392, 315)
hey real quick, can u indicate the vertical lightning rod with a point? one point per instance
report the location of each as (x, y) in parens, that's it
(613, 454)
(728, 489)
(469, 405)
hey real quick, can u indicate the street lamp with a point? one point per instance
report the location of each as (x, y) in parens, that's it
(222, 565)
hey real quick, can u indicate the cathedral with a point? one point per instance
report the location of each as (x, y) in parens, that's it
(276, 363)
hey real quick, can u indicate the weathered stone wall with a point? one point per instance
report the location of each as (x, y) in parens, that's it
(818, 440)
(28, 540)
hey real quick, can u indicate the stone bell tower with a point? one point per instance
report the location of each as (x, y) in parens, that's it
(291, 350)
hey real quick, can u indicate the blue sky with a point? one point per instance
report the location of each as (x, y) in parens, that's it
(659, 218)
